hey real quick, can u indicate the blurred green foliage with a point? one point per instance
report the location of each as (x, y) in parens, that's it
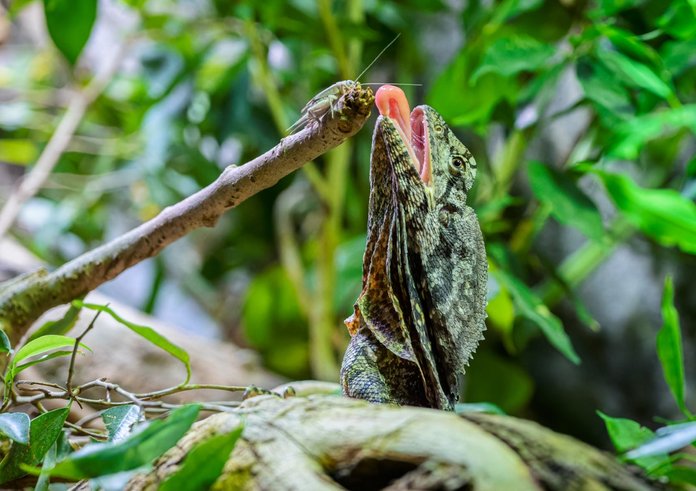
(606, 88)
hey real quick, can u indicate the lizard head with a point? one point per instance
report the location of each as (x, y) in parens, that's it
(444, 165)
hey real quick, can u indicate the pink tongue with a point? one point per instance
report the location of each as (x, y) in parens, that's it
(391, 102)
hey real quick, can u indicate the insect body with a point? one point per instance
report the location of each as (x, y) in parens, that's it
(322, 104)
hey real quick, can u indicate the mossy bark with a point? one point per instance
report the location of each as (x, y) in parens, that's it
(333, 443)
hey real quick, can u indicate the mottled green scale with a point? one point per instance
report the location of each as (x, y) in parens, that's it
(421, 313)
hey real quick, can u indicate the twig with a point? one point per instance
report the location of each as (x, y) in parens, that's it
(78, 340)
(25, 301)
(58, 142)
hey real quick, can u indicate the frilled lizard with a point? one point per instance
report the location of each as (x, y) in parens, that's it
(421, 311)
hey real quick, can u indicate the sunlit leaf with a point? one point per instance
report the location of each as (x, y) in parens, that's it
(18, 151)
(667, 439)
(669, 346)
(42, 345)
(15, 426)
(203, 463)
(138, 449)
(568, 204)
(146, 332)
(119, 421)
(662, 214)
(44, 430)
(70, 24)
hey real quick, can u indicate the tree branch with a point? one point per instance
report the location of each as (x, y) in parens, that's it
(26, 299)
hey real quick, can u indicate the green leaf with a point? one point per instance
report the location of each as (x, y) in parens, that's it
(477, 407)
(610, 7)
(662, 214)
(146, 332)
(475, 104)
(60, 326)
(569, 205)
(119, 421)
(18, 151)
(530, 306)
(667, 439)
(511, 55)
(137, 450)
(681, 475)
(499, 381)
(5, 345)
(69, 24)
(636, 132)
(679, 56)
(44, 430)
(60, 449)
(679, 20)
(41, 359)
(625, 434)
(669, 347)
(633, 73)
(15, 426)
(203, 464)
(611, 100)
(42, 345)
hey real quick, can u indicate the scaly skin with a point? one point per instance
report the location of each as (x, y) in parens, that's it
(421, 312)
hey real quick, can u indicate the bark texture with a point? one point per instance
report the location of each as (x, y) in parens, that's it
(332, 443)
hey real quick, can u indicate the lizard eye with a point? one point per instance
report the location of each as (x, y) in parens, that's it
(457, 165)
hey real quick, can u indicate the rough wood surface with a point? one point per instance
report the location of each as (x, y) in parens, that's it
(332, 443)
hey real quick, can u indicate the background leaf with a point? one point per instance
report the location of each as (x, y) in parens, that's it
(511, 55)
(669, 347)
(568, 204)
(530, 306)
(662, 214)
(69, 23)
(633, 73)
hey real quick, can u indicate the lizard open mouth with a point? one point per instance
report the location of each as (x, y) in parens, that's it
(412, 126)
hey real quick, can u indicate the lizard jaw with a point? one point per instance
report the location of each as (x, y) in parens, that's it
(412, 127)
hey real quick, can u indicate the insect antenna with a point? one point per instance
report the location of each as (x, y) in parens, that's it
(377, 57)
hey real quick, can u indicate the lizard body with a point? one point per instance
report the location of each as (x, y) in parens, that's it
(421, 311)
